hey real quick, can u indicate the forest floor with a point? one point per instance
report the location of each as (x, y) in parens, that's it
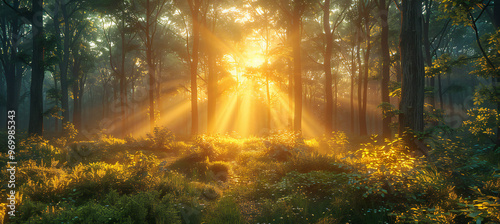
(281, 178)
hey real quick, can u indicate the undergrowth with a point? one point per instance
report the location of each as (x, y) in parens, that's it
(283, 178)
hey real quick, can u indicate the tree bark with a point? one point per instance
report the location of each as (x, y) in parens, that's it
(11, 36)
(195, 5)
(386, 120)
(37, 74)
(297, 65)
(327, 68)
(362, 116)
(411, 120)
(427, 47)
(212, 81)
(353, 73)
(123, 82)
(151, 67)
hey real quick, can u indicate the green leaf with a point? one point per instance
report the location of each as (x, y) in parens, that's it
(474, 214)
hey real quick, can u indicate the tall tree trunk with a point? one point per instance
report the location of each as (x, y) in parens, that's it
(427, 47)
(195, 5)
(327, 68)
(297, 66)
(386, 120)
(362, 117)
(360, 77)
(211, 90)
(353, 73)
(411, 120)
(212, 81)
(123, 84)
(64, 64)
(76, 92)
(151, 68)
(267, 74)
(37, 74)
(12, 71)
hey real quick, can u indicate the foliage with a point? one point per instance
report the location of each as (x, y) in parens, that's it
(380, 182)
(482, 122)
(225, 210)
(160, 139)
(391, 158)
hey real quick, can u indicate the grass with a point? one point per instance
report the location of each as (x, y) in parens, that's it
(283, 178)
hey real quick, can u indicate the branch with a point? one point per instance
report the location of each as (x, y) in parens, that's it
(474, 27)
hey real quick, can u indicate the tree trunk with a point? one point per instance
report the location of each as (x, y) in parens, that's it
(386, 120)
(360, 77)
(123, 84)
(212, 81)
(353, 73)
(297, 67)
(427, 47)
(64, 64)
(151, 69)
(411, 120)
(37, 74)
(366, 58)
(12, 71)
(194, 67)
(77, 97)
(327, 68)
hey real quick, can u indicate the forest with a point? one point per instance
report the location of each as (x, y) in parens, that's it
(250, 111)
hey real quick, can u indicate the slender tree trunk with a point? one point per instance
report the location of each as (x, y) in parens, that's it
(360, 80)
(64, 64)
(77, 97)
(353, 73)
(211, 90)
(362, 118)
(212, 82)
(327, 68)
(123, 84)
(267, 74)
(297, 67)
(290, 95)
(411, 120)
(194, 66)
(151, 68)
(427, 48)
(37, 74)
(12, 71)
(386, 120)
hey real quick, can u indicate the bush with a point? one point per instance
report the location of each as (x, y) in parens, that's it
(145, 207)
(315, 162)
(161, 139)
(225, 210)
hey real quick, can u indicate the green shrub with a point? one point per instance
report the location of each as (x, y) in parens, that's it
(225, 210)
(144, 207)
(160, 139)
(315, 162)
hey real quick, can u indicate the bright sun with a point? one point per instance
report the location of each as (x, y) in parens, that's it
(254, 60)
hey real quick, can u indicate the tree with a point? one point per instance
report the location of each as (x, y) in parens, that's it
(152, 11)
(411, 120)
(37, 71)
(294, 11)
(11, 29)
(327, 62)
(194, 6)
(384, 39)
